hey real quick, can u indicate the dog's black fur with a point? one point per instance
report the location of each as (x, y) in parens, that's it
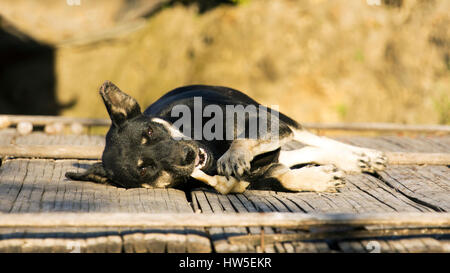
(148, 150)
(141, 151)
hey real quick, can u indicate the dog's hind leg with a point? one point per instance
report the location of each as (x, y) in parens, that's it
(310, 178)
(344, 160)
(325, 178)
(304, 155)
(328, 151)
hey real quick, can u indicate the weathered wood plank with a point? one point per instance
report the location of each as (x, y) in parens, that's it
(385, 197)
(228, 208)
(434, 146)
(241, 208)
(217, 234)
(11, 179)
(418, 144)
(384, 127)
(251, 206)
(263, 201)
(269, 219)
(421, 144)
(387, 143)
(7, 136)
(371, 142)
(418, 188)
(22, 200)
(257, 198)
(46, 120)
(176, 242)
(212, 203)
(95, 152)
(40, 186)
(52, 151)
(65, 240)
(310, 247)
(10, 136)
(394, 158)
(251, 201)
(363, 193)
(395, 245)
(442, 142)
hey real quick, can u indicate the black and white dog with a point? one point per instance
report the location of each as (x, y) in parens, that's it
(148, 150)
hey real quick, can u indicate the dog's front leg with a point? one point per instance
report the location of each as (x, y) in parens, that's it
(221, 183)
(236, 160)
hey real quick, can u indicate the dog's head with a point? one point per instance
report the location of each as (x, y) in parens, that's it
(140, 151)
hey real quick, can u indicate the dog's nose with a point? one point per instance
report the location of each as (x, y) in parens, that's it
(189, 155)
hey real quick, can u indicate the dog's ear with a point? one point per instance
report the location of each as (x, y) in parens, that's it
(120, 106)
(96, 173)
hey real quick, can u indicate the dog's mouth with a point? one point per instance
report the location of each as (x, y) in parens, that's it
(200, 160)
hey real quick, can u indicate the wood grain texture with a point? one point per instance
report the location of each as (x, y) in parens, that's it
(38, 187)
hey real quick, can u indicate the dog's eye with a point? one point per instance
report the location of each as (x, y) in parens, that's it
(142, 171)
(147, 136)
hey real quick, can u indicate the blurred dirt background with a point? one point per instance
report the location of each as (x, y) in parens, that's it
(319, 60)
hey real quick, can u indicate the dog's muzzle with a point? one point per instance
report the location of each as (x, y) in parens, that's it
(201, 159)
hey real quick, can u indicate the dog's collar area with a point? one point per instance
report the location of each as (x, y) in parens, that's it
(201, 159)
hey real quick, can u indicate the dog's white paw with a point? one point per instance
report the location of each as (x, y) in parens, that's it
(325, 178)
(234, 163)
(360, 160)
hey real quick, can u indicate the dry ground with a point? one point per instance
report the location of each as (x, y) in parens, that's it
(320, 61)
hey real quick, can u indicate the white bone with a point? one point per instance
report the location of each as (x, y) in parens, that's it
(221, 183)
